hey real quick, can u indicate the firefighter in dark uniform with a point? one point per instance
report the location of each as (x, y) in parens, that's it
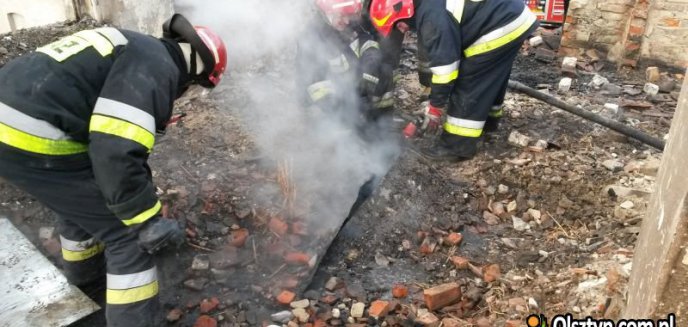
(78, 119)
(471, 46)
(340, 66)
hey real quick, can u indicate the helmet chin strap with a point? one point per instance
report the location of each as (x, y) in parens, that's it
(193, 62)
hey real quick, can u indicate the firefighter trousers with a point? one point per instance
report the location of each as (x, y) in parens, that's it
(477, 99)
(90, 234)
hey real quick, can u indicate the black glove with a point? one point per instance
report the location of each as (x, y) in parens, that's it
(158, 232)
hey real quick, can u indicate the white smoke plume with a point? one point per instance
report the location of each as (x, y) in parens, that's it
(329, 159)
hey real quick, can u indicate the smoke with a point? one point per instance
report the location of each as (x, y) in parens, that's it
(328, 158)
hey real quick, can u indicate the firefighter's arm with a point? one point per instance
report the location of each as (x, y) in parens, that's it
(443, 48)
(136, 98)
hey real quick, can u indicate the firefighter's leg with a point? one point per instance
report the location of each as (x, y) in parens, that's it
(83, 260)
(73, 194)
(497, 110)
(479, 85)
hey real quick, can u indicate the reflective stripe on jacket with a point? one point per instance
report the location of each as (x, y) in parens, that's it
(104, 91)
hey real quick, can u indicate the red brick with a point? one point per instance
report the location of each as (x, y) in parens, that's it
(319, 323)
(442, 295)
(297, 258)
(399, 291)
(289, 282)
(286, 297)
(428, 246)
(636, 30)
(208, 305)
(492, 273)
(278, 226)
(205, 321)
(238, 237)
(671, 22)
(299, 228)
(454, 238)
(459, 262)
(378, 309)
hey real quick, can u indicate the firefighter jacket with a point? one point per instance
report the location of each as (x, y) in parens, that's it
(329, 63)
(100, 94)
(451, 30)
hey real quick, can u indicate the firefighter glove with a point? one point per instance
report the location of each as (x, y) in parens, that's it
(432, 118)
(159, 232)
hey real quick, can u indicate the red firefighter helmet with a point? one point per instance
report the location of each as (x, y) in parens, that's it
(207, 44)
(219, 52)
(386, 13)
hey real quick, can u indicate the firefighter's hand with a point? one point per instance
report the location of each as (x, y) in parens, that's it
(158, 233)
(432, 118)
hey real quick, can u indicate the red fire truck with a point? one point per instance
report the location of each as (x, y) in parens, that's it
(552, 12)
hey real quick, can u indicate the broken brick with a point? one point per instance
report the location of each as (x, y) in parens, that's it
(205, 321)
(442, 295)
(454, 238)
(399, 291)
(238, 237)
(278, 226)
(299, 228)
(459, 262)
(208, 305)
(319, 323)
(286, 297)
(333, 284)
(428, 320)
(492, 273)
(289, 282)
(378, 309)
(297, 258)
(174, 315)
(428, 245)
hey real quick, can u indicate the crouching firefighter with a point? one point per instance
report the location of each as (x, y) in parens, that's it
(78, 119)
(470, 46)
(341, 68)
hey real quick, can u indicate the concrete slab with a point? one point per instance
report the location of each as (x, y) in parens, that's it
(33, 292)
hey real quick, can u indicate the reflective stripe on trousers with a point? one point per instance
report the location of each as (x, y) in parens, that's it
(496, 111)
(24, 132)
(502, 35)
(464, 127)
(80, 250)
(132, 288)
(445, 74)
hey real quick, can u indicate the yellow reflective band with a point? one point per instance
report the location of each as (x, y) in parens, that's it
(462, 131)
(496, 113)
(381, 22)
(98, 41)
(142, 217)
(496, 43)
(123, 129)
(444, 79)
(132, 295)
(64, 48)
(35, 144)
(87, 253)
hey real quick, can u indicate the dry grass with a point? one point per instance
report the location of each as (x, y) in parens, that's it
(286, 184)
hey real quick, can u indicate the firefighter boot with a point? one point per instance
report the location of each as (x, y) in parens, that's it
(158, 233)
(452, 148)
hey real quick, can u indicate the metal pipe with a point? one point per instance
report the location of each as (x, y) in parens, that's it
(606, 122)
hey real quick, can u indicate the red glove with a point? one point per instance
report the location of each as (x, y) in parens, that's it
(432, 118)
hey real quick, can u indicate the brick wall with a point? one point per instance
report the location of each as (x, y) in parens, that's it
(629, 30)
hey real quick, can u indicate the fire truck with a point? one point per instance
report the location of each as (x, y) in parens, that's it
(549, 12)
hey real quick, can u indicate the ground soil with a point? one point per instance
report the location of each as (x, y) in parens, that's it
(574, 257)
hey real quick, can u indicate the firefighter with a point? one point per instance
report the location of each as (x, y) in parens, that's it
(78, 119)
(340, 66)
(471, 46)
